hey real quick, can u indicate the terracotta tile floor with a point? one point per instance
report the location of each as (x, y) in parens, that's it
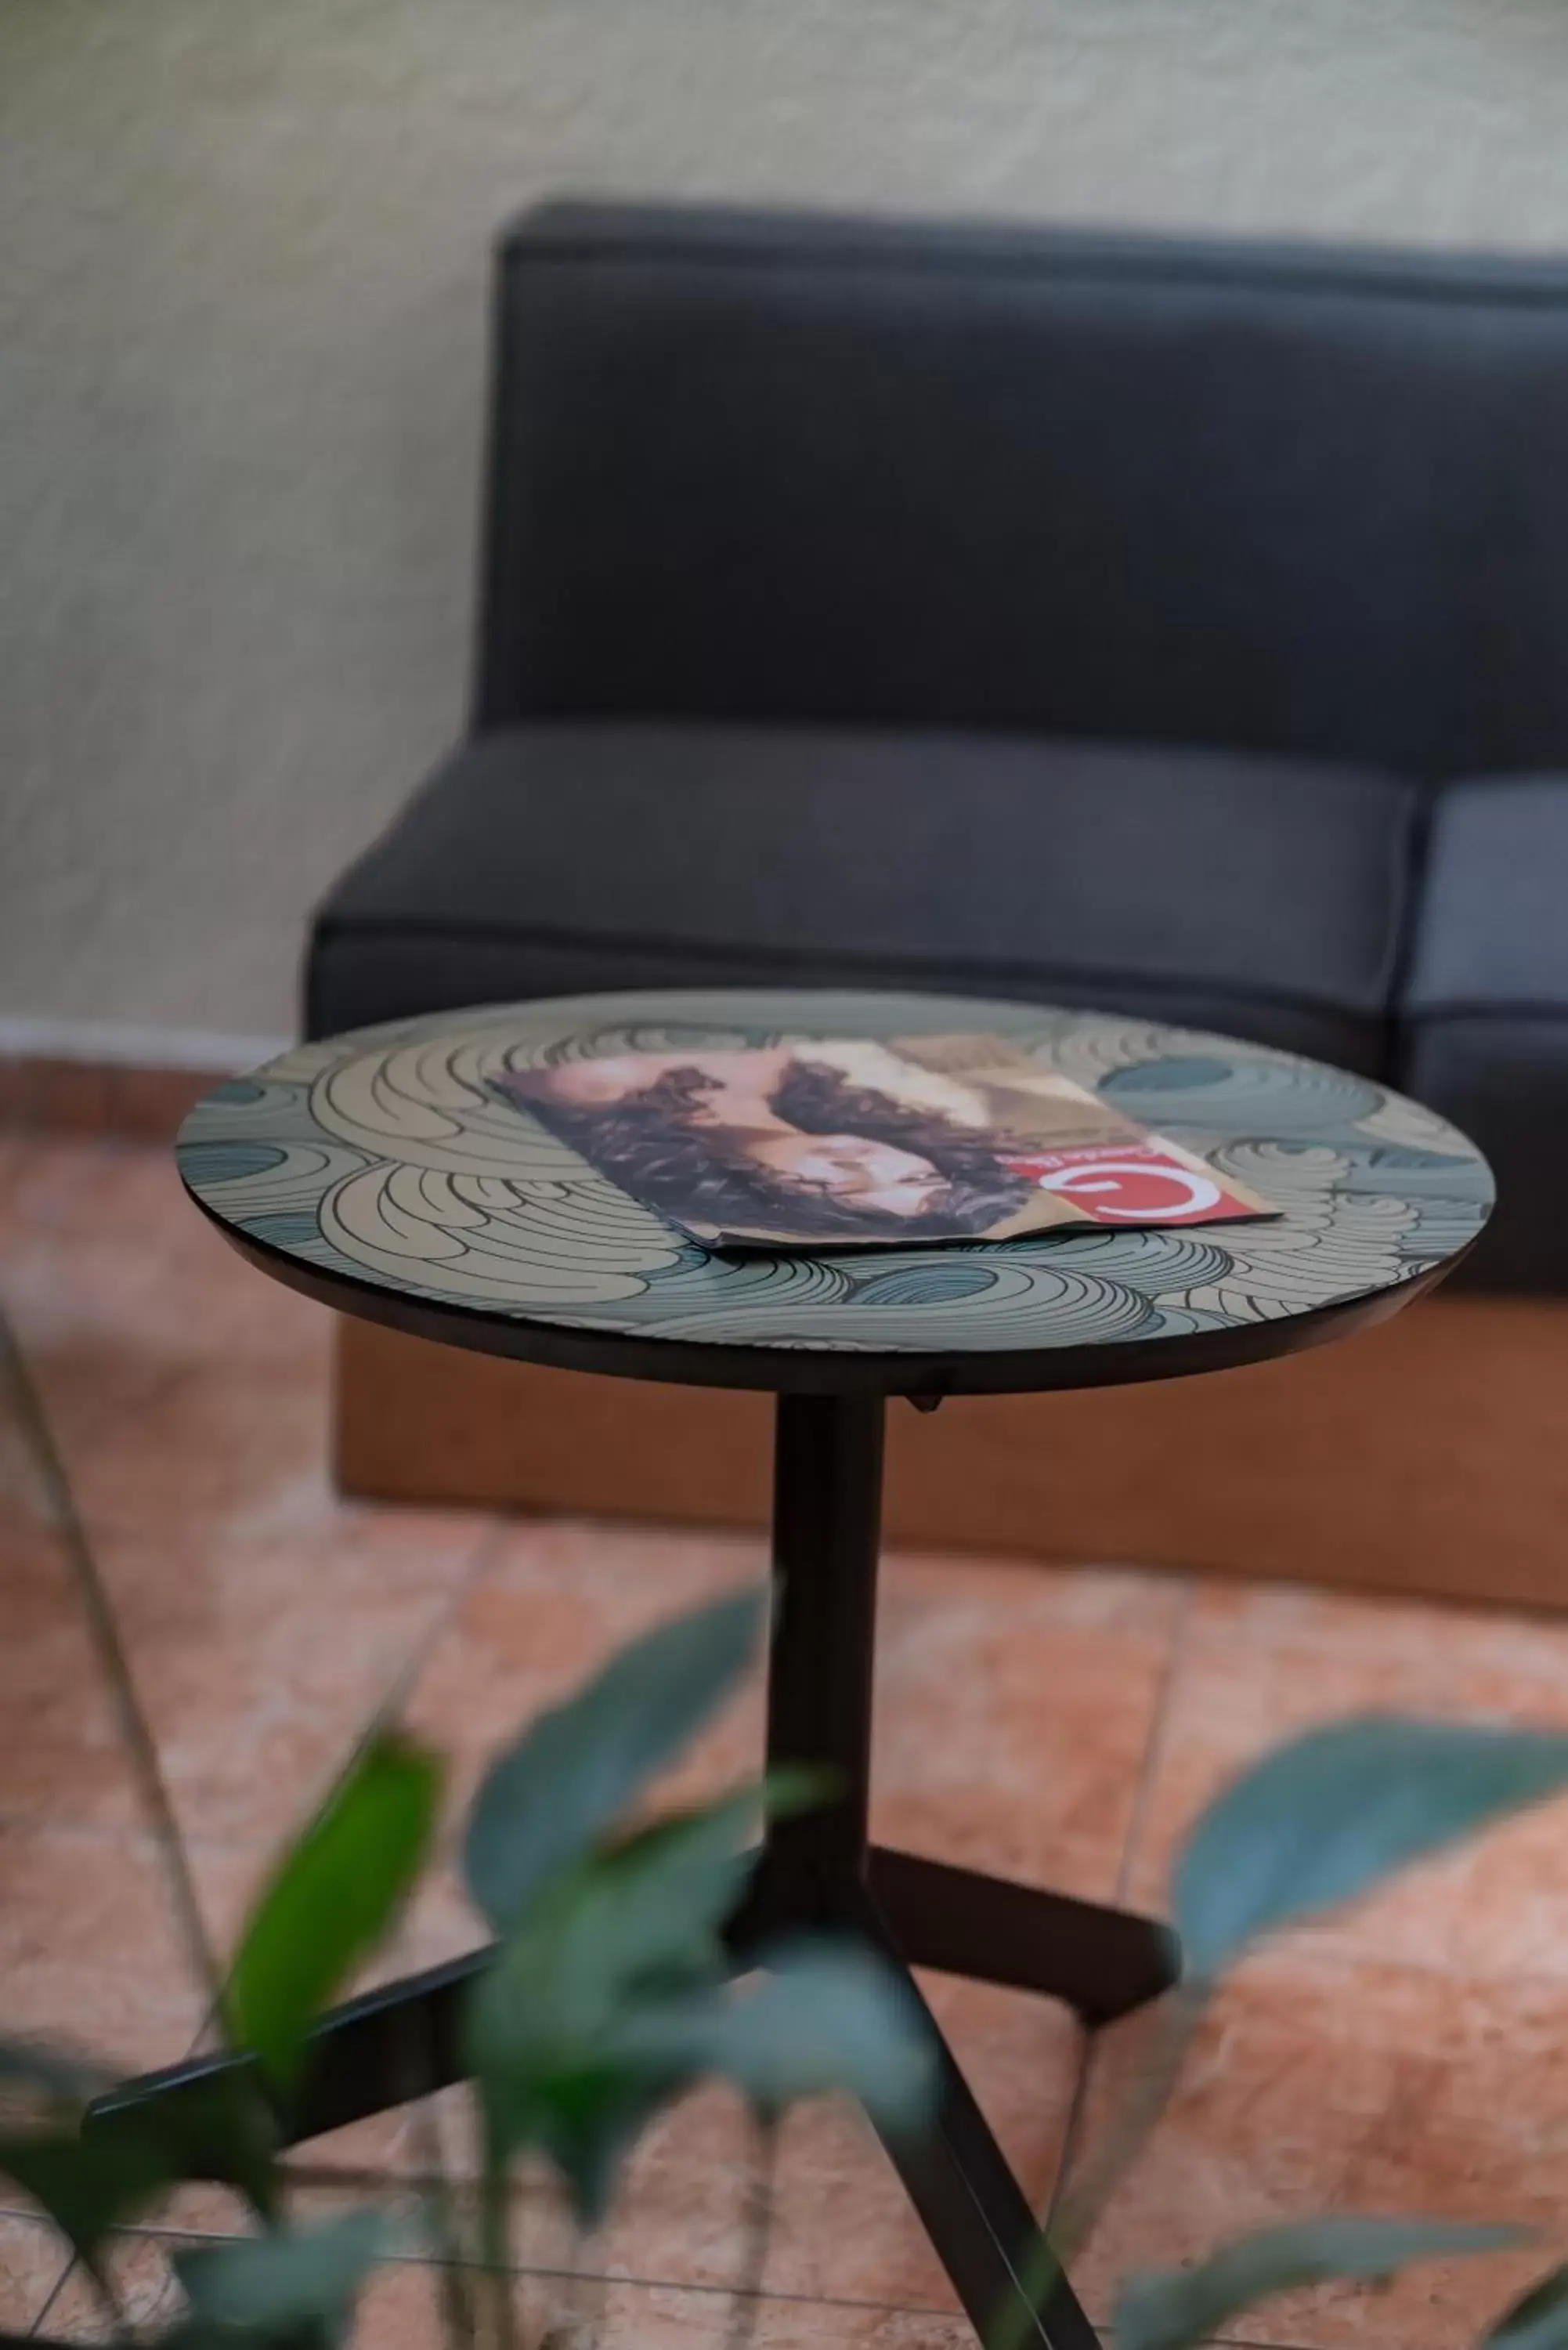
(1412, 2055)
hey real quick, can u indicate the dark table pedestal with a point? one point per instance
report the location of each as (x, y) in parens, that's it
(819, 1871)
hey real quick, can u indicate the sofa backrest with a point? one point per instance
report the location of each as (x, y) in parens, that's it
(802, 470)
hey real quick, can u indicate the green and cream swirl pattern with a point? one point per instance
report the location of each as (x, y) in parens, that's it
(382, 1156)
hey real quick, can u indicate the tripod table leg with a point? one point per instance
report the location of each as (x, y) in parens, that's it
(1104, 1962)
(979, 2221)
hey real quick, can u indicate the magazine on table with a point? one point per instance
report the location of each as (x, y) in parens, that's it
(852, 1142)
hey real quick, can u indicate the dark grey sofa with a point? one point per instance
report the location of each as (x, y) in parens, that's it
(1178, 627)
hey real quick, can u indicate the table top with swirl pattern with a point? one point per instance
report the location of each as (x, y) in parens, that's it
(377, 1171)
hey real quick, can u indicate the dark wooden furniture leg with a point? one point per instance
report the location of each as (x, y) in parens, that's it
(1102, 1962)
(821, 1866)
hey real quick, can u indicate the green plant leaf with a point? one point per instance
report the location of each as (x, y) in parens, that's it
(1176, 2309)
(547, 1801)
(654, 1902)
(578, 2076)
(273, 2283)
(546, 2023)
(87, 2184)
(219, 2128)
(334, 1895)
(99, 2171)
(1538, 2321)
(823, 2015)
(1332, 1813)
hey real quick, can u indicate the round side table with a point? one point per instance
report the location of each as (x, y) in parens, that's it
(378, 1173)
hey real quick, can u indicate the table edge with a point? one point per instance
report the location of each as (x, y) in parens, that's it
(925, 1375)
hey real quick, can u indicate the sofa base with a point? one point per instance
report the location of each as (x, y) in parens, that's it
(1428, 1456)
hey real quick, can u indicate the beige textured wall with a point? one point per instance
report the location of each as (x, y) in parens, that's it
(242, 248)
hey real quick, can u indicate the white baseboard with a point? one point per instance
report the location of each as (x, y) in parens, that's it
(28, 1039)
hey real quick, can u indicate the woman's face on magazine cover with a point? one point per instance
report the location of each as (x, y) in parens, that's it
(876, 1175)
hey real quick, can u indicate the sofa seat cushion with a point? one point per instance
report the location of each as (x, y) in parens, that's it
(1264, 895)
(1484, 1021)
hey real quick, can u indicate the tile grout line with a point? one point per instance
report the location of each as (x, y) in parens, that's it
(697, 2287)
(53, 2295)
(134, 1727)
(406, 1679)
(394, 1697)
(1158, 1732)
(1153, 1755)
(132, 2234)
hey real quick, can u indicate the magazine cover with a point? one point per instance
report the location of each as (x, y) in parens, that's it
(853, 1143)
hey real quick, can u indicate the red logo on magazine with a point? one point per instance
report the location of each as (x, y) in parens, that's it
(1129, 1185)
